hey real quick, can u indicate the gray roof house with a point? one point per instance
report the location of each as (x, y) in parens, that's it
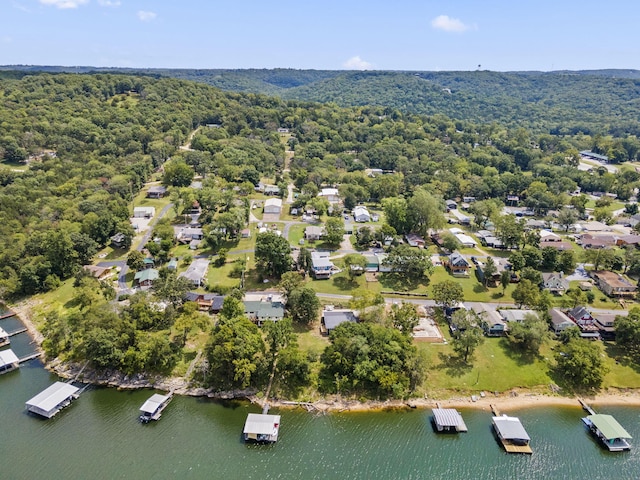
(260, 311)
(556, 283)
(197, 271)
(332, 318)
(559, 321)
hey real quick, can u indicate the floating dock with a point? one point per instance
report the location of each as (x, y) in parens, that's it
(7, 315)
(4, 338)
(53, 399)
(512, 435)
(448, 420)
(261, 427)
(8, 361)
(608, 431)
(153, 407)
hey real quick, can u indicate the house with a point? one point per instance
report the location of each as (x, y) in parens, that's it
(95, 271)
(156, 192)
(144, 212)
(549, 236)
(556, 283)
(491, 322)
(457, 265)
(245, 233)
(605, 321)
(313, 233)
(560, 246)
(560, 321)
(468, 199)
(533, 224)
(118, 240)
(613, 284)
(196, 273)
(332, 318)
(594, 226)
(173, 264)
(501, 264)
(145, 278)
(596, 241)
(581, 316)
(273, 205)
(414, 240)
(206, 301)
(194, 244)
(330, 194)
(361, 214)
(188, 234)
(516, 315)
(451, 205)
(622, 240)
(271, 190)
(269, 308)
(372, 263)
(321, 265)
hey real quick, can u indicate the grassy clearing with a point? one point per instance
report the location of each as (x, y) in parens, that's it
(296, 233)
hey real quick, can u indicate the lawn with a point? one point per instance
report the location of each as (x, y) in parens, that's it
(473, 290)
(296, 233)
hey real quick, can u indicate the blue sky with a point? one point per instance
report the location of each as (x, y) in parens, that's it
(499, 35)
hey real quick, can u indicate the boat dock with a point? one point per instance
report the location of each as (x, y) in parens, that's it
(7, 315)
(586, 407)
(262, 428)
(448, 420)
(606, 429)
(511, 433)
(53, 399)
(8, 361)
(153, 407)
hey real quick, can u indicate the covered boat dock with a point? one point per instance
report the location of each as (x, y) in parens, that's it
(53, 399)
(448, 420)
(262, 427)
(153, 407)
(8, 361)
(608, 431)
(511, 434)
(4, 337)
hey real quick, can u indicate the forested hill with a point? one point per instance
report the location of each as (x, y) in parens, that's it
(562, 102)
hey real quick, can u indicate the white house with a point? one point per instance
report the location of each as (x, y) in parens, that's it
(331, 194)
(361, 214)
(273, 205)
(144, 212)
(465, 240)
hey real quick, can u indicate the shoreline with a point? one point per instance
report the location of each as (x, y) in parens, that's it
(513, 399)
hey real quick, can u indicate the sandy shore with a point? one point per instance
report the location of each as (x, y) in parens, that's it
(512, 400)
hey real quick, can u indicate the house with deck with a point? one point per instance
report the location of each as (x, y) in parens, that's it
(560, 321)
(322, 267)
(269, 308)
(457, 265)
(613, 284)
(145, 278)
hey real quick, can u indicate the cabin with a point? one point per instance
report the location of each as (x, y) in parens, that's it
(608, 431)
(53, 399)
(457, 265)
(613, 284)
(273, 205)
(261, 427)
(332, 318)
(448, 420)
(144, 212)
(511, 434)
(156, 192)
(8, 361)
(555, 283)
(145, 278)
(206, 301)
(153, 407)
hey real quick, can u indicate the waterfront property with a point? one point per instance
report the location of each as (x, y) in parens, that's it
(511, 434)
(153, 407)
(4, 338)
(8, 361)
(261, 427)
(448, 420)
(608, 431)
(53, 399)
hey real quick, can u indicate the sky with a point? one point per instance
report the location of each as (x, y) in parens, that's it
(424, 35)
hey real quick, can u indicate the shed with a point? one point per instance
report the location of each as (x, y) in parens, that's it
(144, 212)
(261, 427)
(8, 361)
(53, 399)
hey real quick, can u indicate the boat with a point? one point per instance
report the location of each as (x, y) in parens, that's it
(153, 407)
(608, 432)
(261, 428)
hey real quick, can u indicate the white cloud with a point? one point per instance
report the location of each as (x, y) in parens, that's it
(356, 63)
(109, 3)
(7, 39)
(448, 24)
(146, 16)
(64, 3)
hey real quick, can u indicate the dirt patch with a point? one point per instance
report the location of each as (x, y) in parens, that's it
(371, 276)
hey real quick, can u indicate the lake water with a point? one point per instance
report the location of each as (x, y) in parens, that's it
(99, 437)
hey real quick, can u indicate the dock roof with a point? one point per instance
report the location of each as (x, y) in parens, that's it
(152, 404)
(262, 424)
(510, 428)
(7, 357)
(51, 397)
(608, 426)
(447, 417)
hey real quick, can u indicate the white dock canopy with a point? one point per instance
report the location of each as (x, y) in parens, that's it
(3, 334)
(261, 426)
(7, 359)
(448, 419)
(510, 428)
(155, 401)
(49, 402)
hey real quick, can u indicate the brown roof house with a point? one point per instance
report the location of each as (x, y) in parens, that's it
(613, 284)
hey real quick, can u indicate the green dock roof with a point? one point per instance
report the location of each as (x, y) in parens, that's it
(608, 426)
